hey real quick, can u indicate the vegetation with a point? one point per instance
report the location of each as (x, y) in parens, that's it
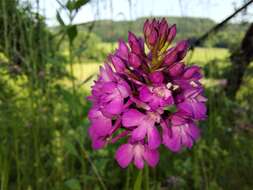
(43, 111)
(187, 27)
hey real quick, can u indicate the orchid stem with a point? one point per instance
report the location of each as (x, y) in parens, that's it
(146, 172)
(138, 181)
(95, 170)
(127, 178)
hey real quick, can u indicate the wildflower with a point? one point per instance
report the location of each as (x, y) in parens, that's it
(181, 132)
(147, 98)
(159, 96)
(100, 128)
(138, 153)
(145, 126)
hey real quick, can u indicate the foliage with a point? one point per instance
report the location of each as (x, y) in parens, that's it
(87, 47)
(225, 39)
(188, 27)
(28, 44)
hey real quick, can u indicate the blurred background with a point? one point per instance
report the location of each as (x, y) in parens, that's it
(50, 52)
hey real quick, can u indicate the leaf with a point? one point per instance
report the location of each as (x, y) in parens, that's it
(71, 148)
(80, 3)
(138, 181)
(59, 19)
(72, 32)
(75, 5)
(70, 5)
(73, 184)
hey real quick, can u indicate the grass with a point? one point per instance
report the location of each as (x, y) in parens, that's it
(55, 139)
(204, 55)
(44, 140)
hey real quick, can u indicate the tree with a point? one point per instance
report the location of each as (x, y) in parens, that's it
(240, 59)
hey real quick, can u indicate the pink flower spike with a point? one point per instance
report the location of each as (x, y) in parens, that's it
(142, 90)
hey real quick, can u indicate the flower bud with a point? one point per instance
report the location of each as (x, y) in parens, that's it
(147, 28)
(153, 37)
(163, 29)
(176, 54)
(118, 63)
(156, 77)
(122, 51)
(171, 33)
(134, 60)
(176, 69)
(135, 44)
(192, 71)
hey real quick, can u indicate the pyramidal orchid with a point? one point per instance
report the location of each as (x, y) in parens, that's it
(146, 96)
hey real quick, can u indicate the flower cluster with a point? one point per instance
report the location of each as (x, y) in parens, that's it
(146, 96)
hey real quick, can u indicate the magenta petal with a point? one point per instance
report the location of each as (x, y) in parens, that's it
(199, 110)
(169, 100)
(171, 56)
(138, 156)
(122, 51)
(153, 37)
(100, 128)
(134, 60)
(156, 77)
(172, 33)
(132, 118)
(154, 139)
(195, 109)
(140, 104)
(139, 162)
(114, 107)
(178, 119)
(98, 143)
(194, 131)
(134, 43)
(201, 98)
(191, 71)
(173, 141)
(139, 133)
(145, 94)
(186, 139)
(118, 64)
(147, 28)
(108, 87)
(151, 157)
(176, 69)
(124, 89)
(106, 73)
(124, 155)
(163, 31)
(186, 107)
(100, 124)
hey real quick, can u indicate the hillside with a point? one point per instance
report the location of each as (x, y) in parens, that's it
(112, 30)
(188, 27)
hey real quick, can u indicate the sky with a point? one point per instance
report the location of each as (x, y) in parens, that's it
(120, 9)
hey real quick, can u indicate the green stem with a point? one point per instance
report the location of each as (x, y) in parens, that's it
(95, 170)
(146, 172)
(127, 179)
(138, 181)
